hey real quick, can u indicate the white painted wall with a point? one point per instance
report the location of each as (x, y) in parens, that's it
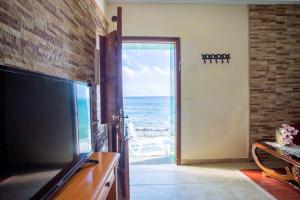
(215, 97)
(103, 7)
(102, 4)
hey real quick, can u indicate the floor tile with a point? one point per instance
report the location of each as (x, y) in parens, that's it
(246, 191)
(151, 192)
(197, 182)
(153, 178)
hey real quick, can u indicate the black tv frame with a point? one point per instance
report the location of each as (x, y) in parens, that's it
(49, 189)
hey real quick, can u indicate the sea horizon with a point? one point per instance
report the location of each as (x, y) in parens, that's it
(149, 112)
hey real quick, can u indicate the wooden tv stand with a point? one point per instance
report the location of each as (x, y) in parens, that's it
(93, 181)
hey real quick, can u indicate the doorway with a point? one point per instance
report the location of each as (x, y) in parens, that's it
(151, 88)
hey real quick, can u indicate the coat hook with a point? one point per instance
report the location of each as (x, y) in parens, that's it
(204, 57)
(219, 58)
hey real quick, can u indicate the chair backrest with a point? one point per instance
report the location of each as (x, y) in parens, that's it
(131, 131)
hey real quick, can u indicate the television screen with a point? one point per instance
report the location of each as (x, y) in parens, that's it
(45, 132)
(84, 118)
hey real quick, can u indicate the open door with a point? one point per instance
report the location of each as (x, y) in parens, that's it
(112, 101)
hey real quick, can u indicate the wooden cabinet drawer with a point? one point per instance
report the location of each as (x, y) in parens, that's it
(107, 187)
(93, 182)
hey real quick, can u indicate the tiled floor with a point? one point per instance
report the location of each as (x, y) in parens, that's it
(203, 182)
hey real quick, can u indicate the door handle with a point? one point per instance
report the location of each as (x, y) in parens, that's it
(126, 135)
(115, 117)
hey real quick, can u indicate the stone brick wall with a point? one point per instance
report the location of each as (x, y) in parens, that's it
(55, 37)
(274, 42)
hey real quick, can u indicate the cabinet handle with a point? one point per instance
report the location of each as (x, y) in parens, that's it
(107, 184)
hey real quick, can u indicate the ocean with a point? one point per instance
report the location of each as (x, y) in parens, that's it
(153, 112)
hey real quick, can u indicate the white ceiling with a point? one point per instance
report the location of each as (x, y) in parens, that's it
(210, 1)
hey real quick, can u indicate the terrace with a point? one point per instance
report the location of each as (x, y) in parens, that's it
(150, 146)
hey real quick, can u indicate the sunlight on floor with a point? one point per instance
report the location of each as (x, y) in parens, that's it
(207, 181)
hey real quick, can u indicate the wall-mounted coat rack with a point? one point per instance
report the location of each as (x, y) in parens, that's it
(216, 57)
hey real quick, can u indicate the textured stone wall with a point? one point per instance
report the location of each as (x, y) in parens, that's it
(274, 32)
(55, 37)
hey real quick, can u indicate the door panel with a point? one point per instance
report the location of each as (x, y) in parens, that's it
(112, 112)
(108, 76)
(108, 87)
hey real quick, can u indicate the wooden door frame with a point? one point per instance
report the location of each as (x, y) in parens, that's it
(112, 100)
(177, 79)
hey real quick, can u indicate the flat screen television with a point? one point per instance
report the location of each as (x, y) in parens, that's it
(45, 132)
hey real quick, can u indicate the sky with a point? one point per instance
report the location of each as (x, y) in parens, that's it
(146, 69)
